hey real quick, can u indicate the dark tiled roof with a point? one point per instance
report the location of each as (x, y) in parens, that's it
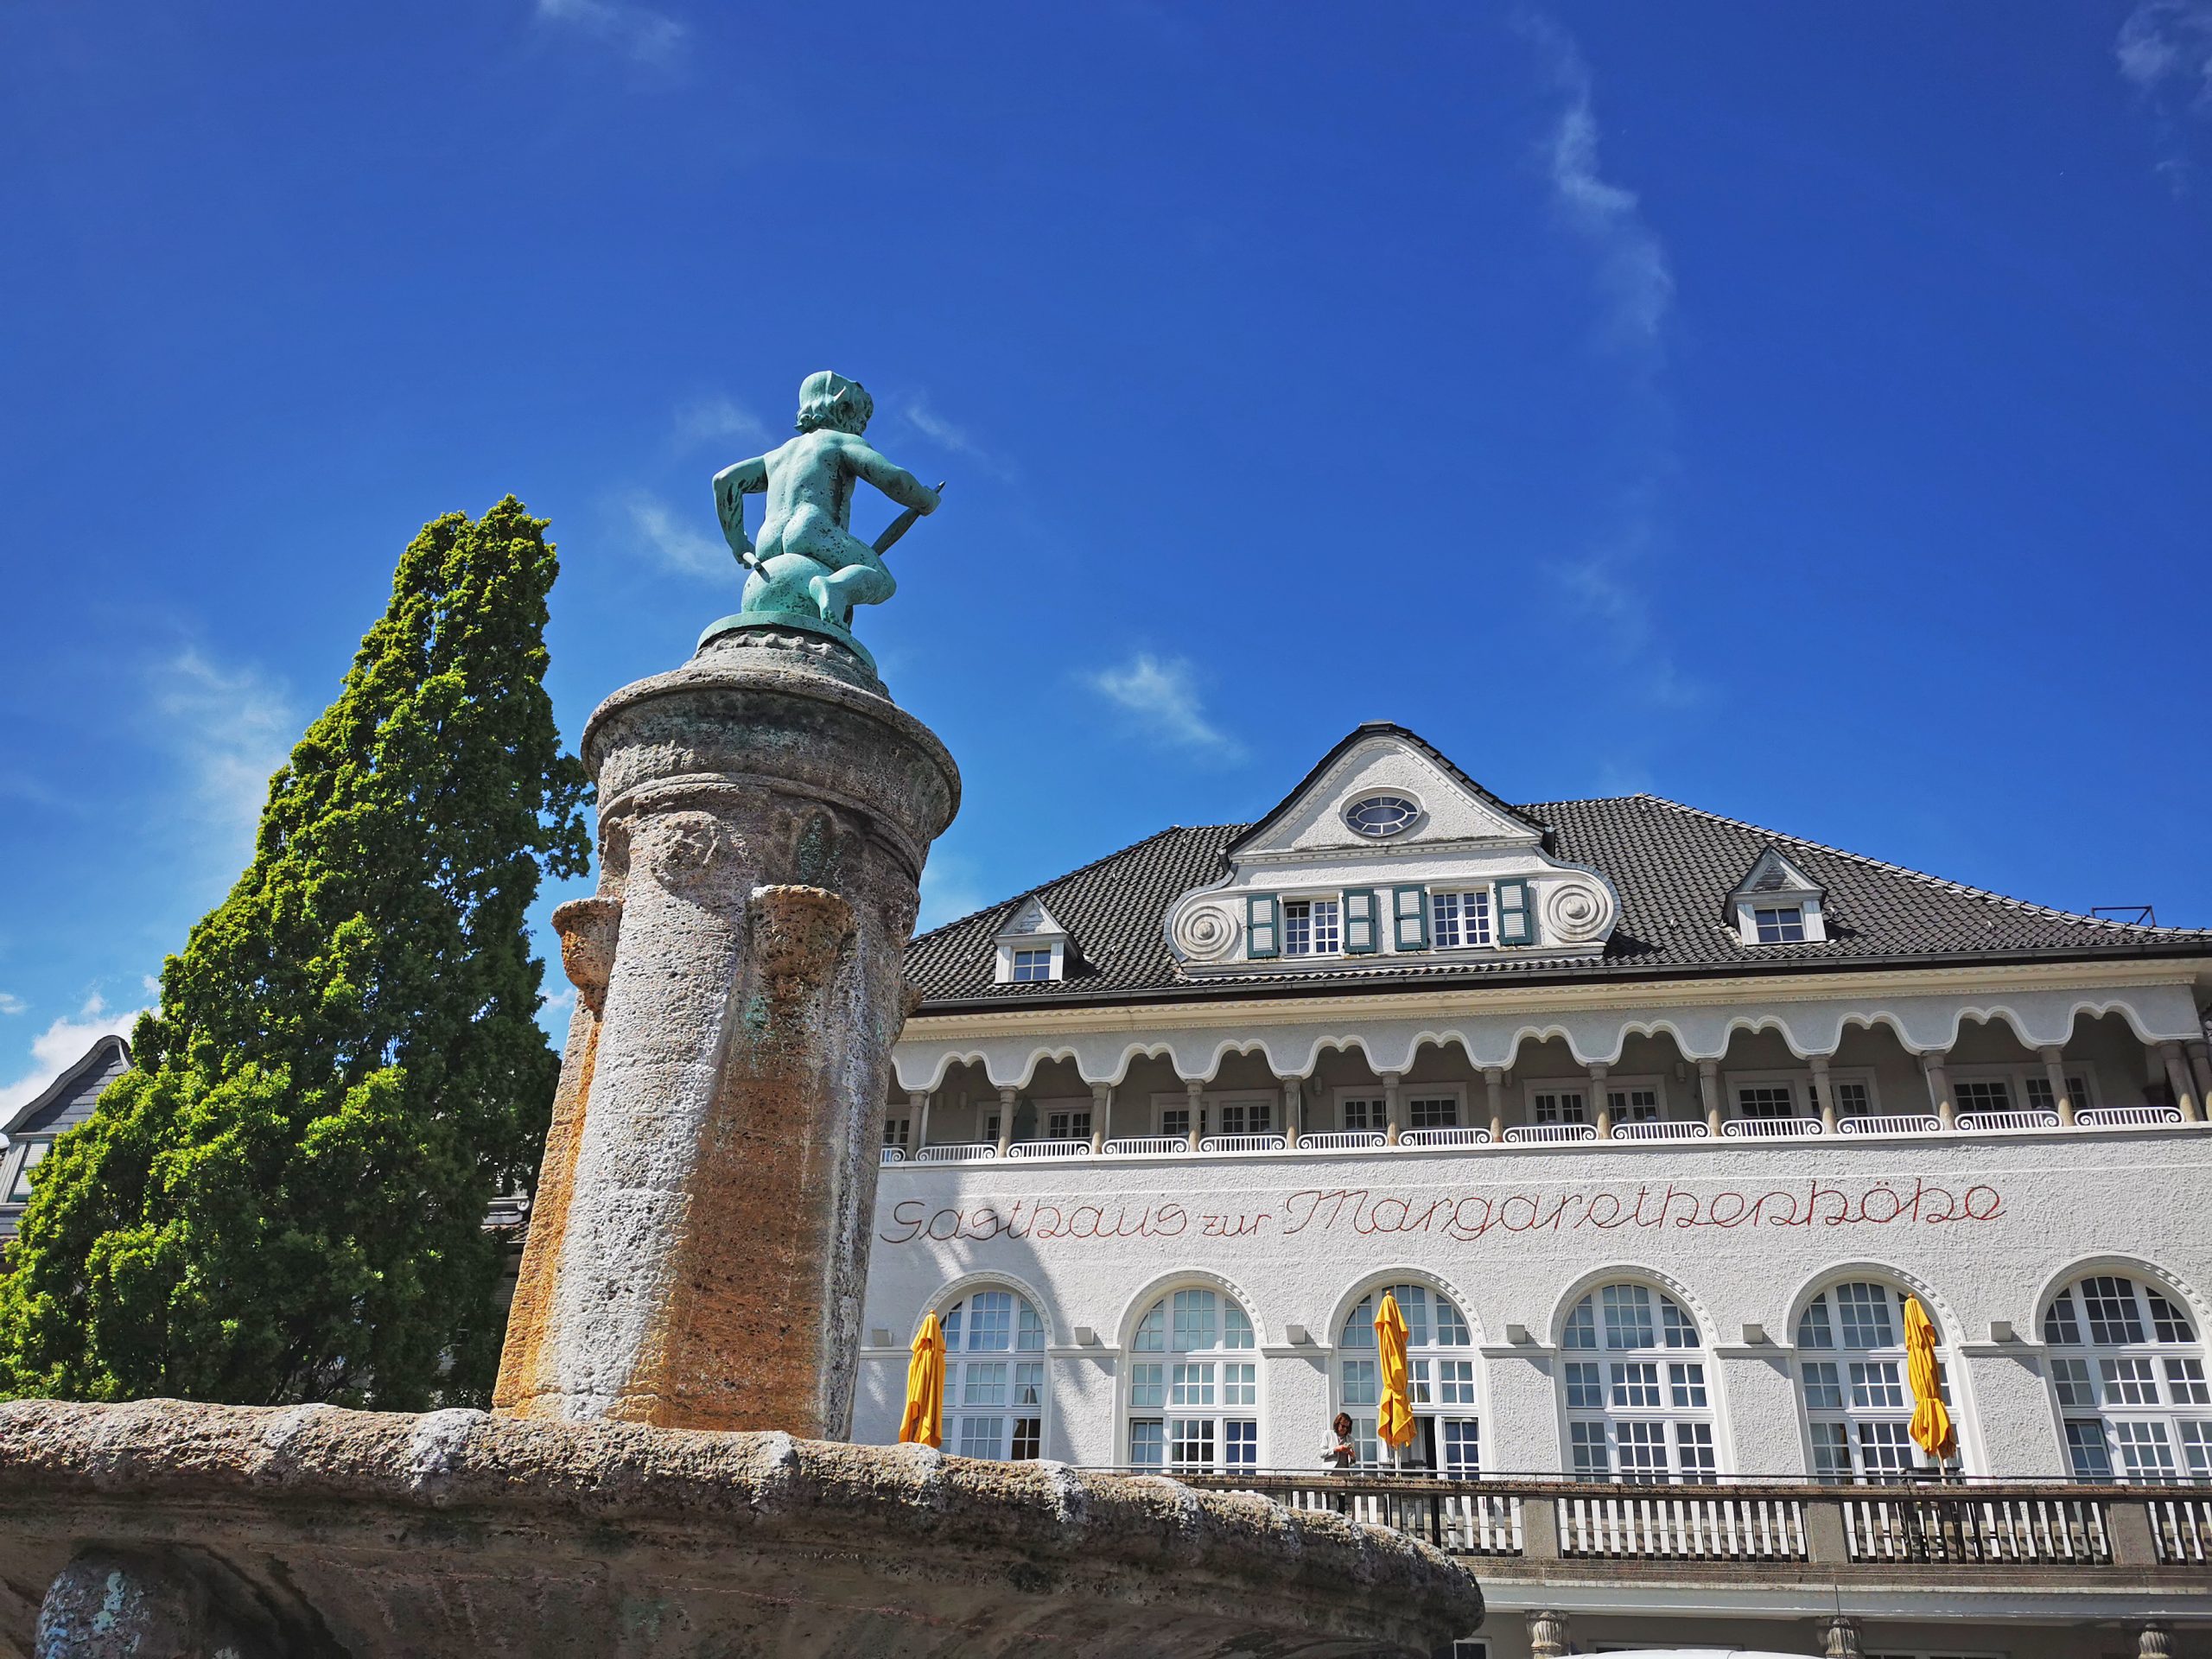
(68, 1099)
(1674, 866)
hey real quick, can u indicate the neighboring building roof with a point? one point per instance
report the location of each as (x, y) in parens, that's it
(68, 1099)
(1672, 865)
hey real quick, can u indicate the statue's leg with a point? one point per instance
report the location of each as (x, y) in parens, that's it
(864, 582)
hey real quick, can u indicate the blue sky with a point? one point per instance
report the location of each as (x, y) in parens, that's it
(1800, 411)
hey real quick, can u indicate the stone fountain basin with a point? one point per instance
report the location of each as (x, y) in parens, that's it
(314, 1531)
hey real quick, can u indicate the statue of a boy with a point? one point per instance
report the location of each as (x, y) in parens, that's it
(808, 554)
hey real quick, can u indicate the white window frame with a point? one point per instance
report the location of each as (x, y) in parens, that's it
(1855, 1417)
(1808, 906)
(1235, 1419)
(1614, 1415)
(966, 1368)
(1006, 947)
(1627, 1085)
(1803, 1098)
(1531, 1087)
(25, 1154)
(1064, 1106)
(898, 1131)
(1335, 900)
(2017, 1076)
(1380, 1119)
(1432, 1372)
(2157, 1359)
(1266, 1102)
(1483, 890)
(1455, 1092)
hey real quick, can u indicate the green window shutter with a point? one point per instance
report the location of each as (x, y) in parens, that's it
(1516, 915)
(1363, 931)
(1263, 926)
(1410, 909)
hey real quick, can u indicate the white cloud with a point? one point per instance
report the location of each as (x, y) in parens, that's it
(1162, 700)
(949, 892)
(11, 1004)
(638, 32)
(61, 1046)
(717, 420)
(230, 729)
(918, 413)
(1633, 269)
(2165, 52)
(675, 541)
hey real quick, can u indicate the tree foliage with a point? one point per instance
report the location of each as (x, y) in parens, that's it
(283, 1198)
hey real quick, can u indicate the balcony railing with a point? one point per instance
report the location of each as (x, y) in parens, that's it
(1479, 1140)
(1863, 1530)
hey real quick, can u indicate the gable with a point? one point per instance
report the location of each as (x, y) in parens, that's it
(68, 1099)
(1772, 872)
(1030, 920)
(1384, 760)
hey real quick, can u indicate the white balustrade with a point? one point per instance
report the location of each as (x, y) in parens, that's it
(1770, 1129)
(2181, 1527)
(2099, 1117)
(970, 1152)
(1342, 1140)
(2008, 1120)
(1893, 1123)
(1688, 1129)
(1966, 1528)
(1463, 1137)
(1549, 1134)
(1242, 1143)
(1678, 1527)
(1148, 1145)
(1049, 1149)
(894, 1155)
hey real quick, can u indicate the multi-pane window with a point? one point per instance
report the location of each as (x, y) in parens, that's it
(1638, 1407)
(1033, 964)
(1779, 923)
(897, 1131)
(1071, 1125)
(1856, 1388)
(1633, 1105)
(1432, 1111)
(2129, 1373)
(1766, 1100)
(1852, 1098)
(1366, 1112)
(19, 1189)
(1458, 920)
(995, 1376)
(1246, 1116)
(1983, 1095)
(1440, 1381)
(1194, 1384)
(1556, 1106)
(1311, 927)
(2036, 1088)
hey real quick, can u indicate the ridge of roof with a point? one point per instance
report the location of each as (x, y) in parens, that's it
(1965, 889)
(69, 1077)
(1064, 876)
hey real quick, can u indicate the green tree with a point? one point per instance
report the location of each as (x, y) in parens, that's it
(284, 1196)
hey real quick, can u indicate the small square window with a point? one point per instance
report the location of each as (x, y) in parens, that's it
(1780, 923)
(1033, 964)
(1433, 1112)
(1310, 928)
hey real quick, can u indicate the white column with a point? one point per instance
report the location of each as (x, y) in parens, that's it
(1393, 1105)
(2053, 1071)
(1192, 1088)
(1102, 1113)
(2178, 1080)
(918, 1107)
(1294, 1110)
(1709, 1089)
(1494, 1086)
(1939, 1088)
(1824, 1093)
(1006, 1119)
(1601, 1103)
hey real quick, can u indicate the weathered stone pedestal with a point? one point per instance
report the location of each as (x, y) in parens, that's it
(699, 1246)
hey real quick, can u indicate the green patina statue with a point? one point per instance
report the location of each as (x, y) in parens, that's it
(809, 570)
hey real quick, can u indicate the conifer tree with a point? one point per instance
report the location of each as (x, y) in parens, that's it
(284, 1196)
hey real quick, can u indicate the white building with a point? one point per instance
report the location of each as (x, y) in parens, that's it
(1652, 1118)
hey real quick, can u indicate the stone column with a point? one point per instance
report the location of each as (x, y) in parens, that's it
(1939, 1088)
(2150, 1641)
(2054, 1071)
(1293, 1110)
(1601, 1102)
(2200, 1064)
(1494, 1087)
(918, 1108)
(1009, 1099)
(1547, 1635)
(764, 814)
(1824, 1093)
(1192, 1088)
(1839, 1637)
(1708, 1089)
(1394, 1107)
(1102, 1115)
(2181, 1083)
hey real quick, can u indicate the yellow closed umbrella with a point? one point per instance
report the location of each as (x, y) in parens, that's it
(1932, 1430)
(1394, 1414)
(924, 1418)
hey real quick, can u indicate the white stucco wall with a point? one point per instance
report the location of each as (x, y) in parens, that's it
(1983, 1229)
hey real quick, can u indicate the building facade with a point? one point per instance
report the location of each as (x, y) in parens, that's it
(1652, 1120)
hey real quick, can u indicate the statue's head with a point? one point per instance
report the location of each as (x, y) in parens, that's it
(829, 399)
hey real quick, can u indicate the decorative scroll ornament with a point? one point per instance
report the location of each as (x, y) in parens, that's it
(1575, 912)
(1205, 932)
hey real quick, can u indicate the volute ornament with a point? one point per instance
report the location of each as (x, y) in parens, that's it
(1205, 932)
(1575, 912)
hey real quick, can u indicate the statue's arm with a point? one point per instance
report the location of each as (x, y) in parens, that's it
(896, 482)
(732, 485)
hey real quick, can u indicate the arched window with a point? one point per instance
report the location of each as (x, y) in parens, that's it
(1194, 1384)
(2129, 1373)
(1856, 1388)
(995, 1376)
(1440, 1375)
(1638, 1408)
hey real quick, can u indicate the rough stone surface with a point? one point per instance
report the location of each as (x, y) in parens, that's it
(369, 1535)
(700, 1244)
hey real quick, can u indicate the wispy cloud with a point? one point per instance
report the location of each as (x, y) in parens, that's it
(949, 892)
(2165, 52)
(717, 420)
(639, 33)
(920, 414)
(61, 1046)
(229, 729)
(11, 1004)
(676, 540)
(1162, 699)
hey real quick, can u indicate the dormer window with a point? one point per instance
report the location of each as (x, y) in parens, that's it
(1380, 817)
(1033, 964)
(1032, 947)
(1311, 927)
(1779, 923)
